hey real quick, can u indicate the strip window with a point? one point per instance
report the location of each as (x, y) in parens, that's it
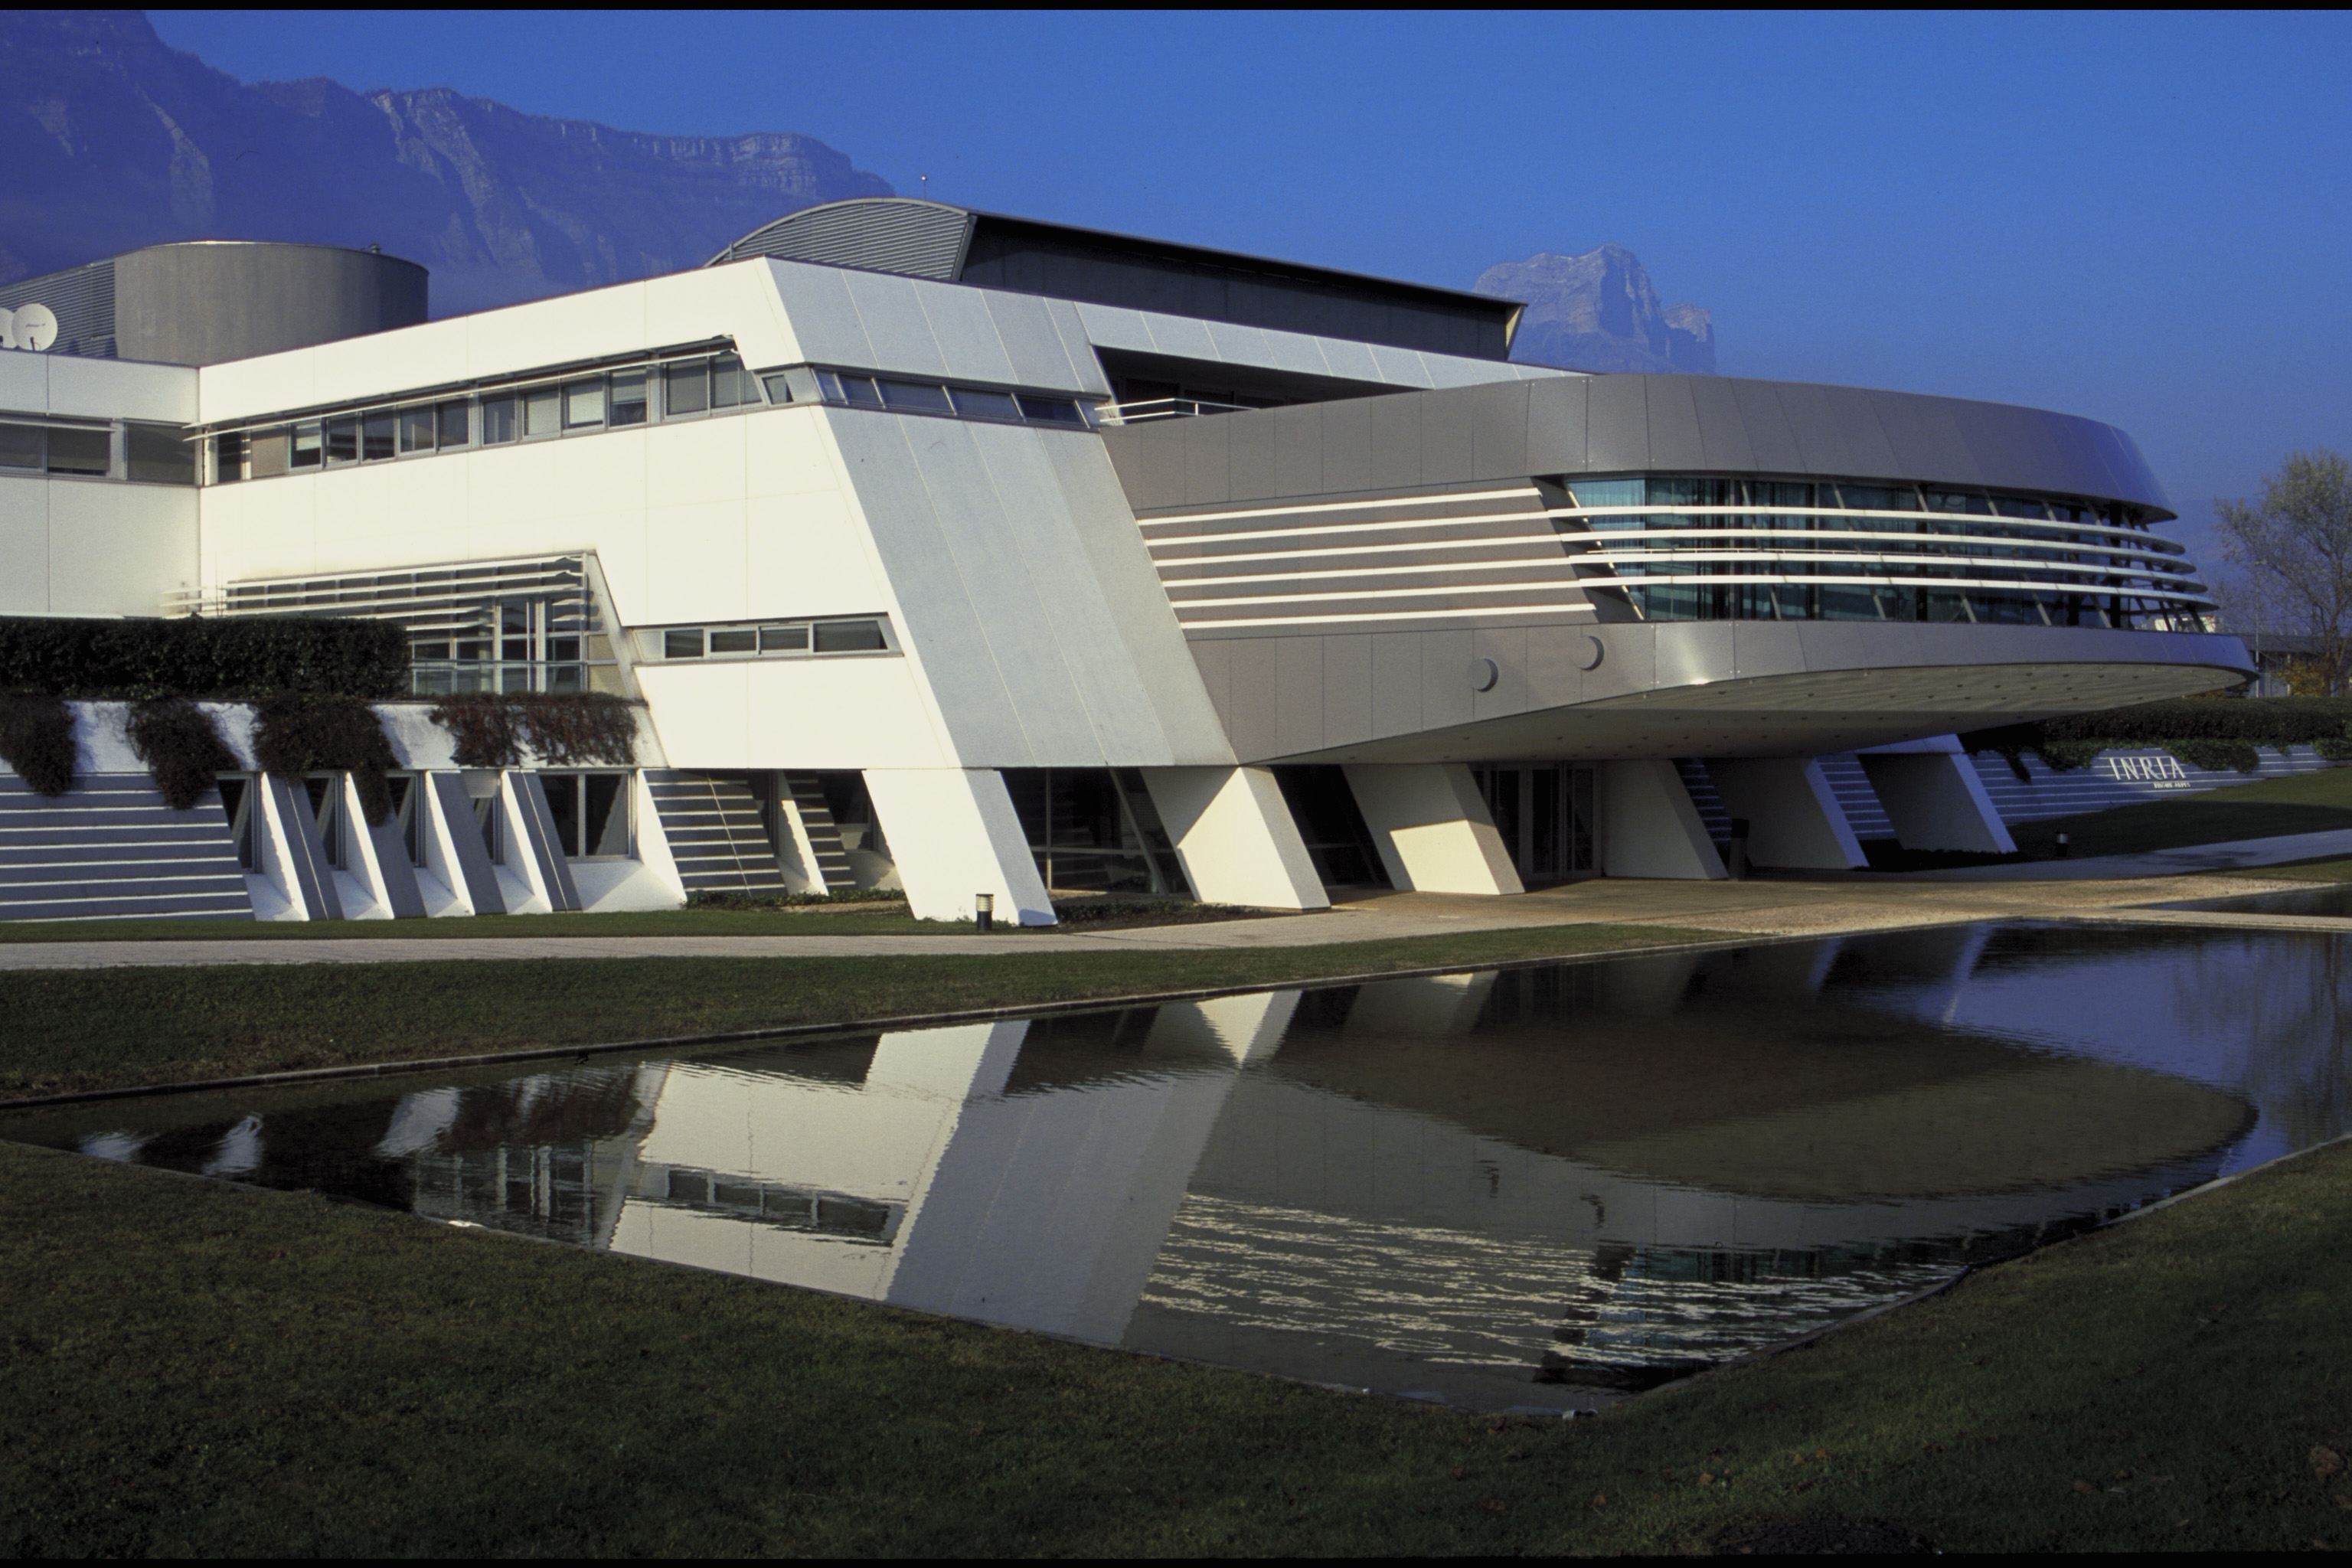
(797, 640)
(854, 390)
(559, 407)
(148, 454)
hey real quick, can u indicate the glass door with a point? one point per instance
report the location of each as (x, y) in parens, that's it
(1544, 814)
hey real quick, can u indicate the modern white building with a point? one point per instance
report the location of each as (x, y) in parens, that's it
(984, 556)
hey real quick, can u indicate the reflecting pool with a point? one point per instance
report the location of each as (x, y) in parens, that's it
(2333, 899)
(1536, 1187)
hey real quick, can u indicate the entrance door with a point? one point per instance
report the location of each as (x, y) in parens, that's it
(1544, 812)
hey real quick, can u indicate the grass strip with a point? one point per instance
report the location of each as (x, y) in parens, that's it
(65, 1031)
(2318, 802)
(648, 922)
(198, 1369)
(2337, 869)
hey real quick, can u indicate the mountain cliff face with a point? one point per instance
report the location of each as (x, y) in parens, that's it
(111, 140)
(1598, 311)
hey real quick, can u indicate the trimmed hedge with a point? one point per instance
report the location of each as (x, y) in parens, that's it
(2203, 732)
(147, 659)
(562, 729)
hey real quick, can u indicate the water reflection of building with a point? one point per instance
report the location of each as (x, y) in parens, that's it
(1426, 1185)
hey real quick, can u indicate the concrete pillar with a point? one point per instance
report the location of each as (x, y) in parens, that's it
(1433, 828)
(952, 834)
(1234, 834)
(1648, 827)
(1793, 816)
(1935, 799)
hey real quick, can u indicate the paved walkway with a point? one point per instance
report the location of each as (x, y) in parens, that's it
(1774, 905)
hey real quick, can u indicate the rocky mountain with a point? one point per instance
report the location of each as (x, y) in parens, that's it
(113, 139)
(1599, 311)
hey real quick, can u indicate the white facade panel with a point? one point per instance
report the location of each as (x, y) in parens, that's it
(115, 389)
(24, 547)
(891, 310)
(116, 549)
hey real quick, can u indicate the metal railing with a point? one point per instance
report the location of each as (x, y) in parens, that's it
(1147, 409)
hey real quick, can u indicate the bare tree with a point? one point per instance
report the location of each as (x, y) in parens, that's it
(2295, 546)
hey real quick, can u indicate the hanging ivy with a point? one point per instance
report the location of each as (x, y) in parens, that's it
(143, 658)
(298, 735)
(494, 729)
(182, 747)
(36, 739)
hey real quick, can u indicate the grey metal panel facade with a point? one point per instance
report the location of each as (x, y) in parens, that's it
(1671, 424)
(1675, 689)
(208, 301)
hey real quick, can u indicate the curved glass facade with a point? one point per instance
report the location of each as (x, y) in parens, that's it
(1686, 547)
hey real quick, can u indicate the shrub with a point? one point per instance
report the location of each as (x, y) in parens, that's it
(494, 729)
(36, 739)
(196, 656)
(294, 735)
(182, 748)
(2215, 755)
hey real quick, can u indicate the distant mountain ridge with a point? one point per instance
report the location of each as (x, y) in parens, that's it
(1599, 311)
(113, 139)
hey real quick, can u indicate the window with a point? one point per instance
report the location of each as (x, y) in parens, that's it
(685, 388)
(778, 389)
(375, 435)
(20, 447)
(974, 404)
(735, 642)
(682, 644)
(158, 455)
(849, 637)
(326, 810)
(858, 389)
(228, 457)
(628, 398)
(539, 411)
(1050, 410)
(584, 403)
(417, 429)
(408, 811)
(456, 425)
(236, 802)
(731, 385)
(343, 440)
(498, 423)
(88, 452)
(591, 813)
(922, 398)
(783, 639)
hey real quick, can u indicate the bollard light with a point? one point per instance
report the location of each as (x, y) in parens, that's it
(2063, 846)
(983, 910)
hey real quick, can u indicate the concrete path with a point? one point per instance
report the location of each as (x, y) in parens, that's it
(1765, 906)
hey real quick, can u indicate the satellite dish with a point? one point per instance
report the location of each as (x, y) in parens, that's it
(36, 327)
(7, 329)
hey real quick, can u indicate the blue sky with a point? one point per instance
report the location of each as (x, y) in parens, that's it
(2140, 218)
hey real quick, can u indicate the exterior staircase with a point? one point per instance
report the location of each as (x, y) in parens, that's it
(714, 832)
(110, 848)
(824, 832)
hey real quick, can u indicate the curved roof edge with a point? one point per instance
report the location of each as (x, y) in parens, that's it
(1666, 424)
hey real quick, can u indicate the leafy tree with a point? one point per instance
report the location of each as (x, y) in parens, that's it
(2297, 542)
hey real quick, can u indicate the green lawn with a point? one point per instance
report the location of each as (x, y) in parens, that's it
(2336, 870)
(650, 923)
(2307, 802)
(64, 1030)
(197, 1369)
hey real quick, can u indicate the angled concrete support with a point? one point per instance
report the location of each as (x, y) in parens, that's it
(533, 850)
(286, 854)
(455, 852)
(1794, 818)
(379, 860)
(1234, 834)
(1935, 799)
(952, 834)
(1648, 827)
(1433, 828)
